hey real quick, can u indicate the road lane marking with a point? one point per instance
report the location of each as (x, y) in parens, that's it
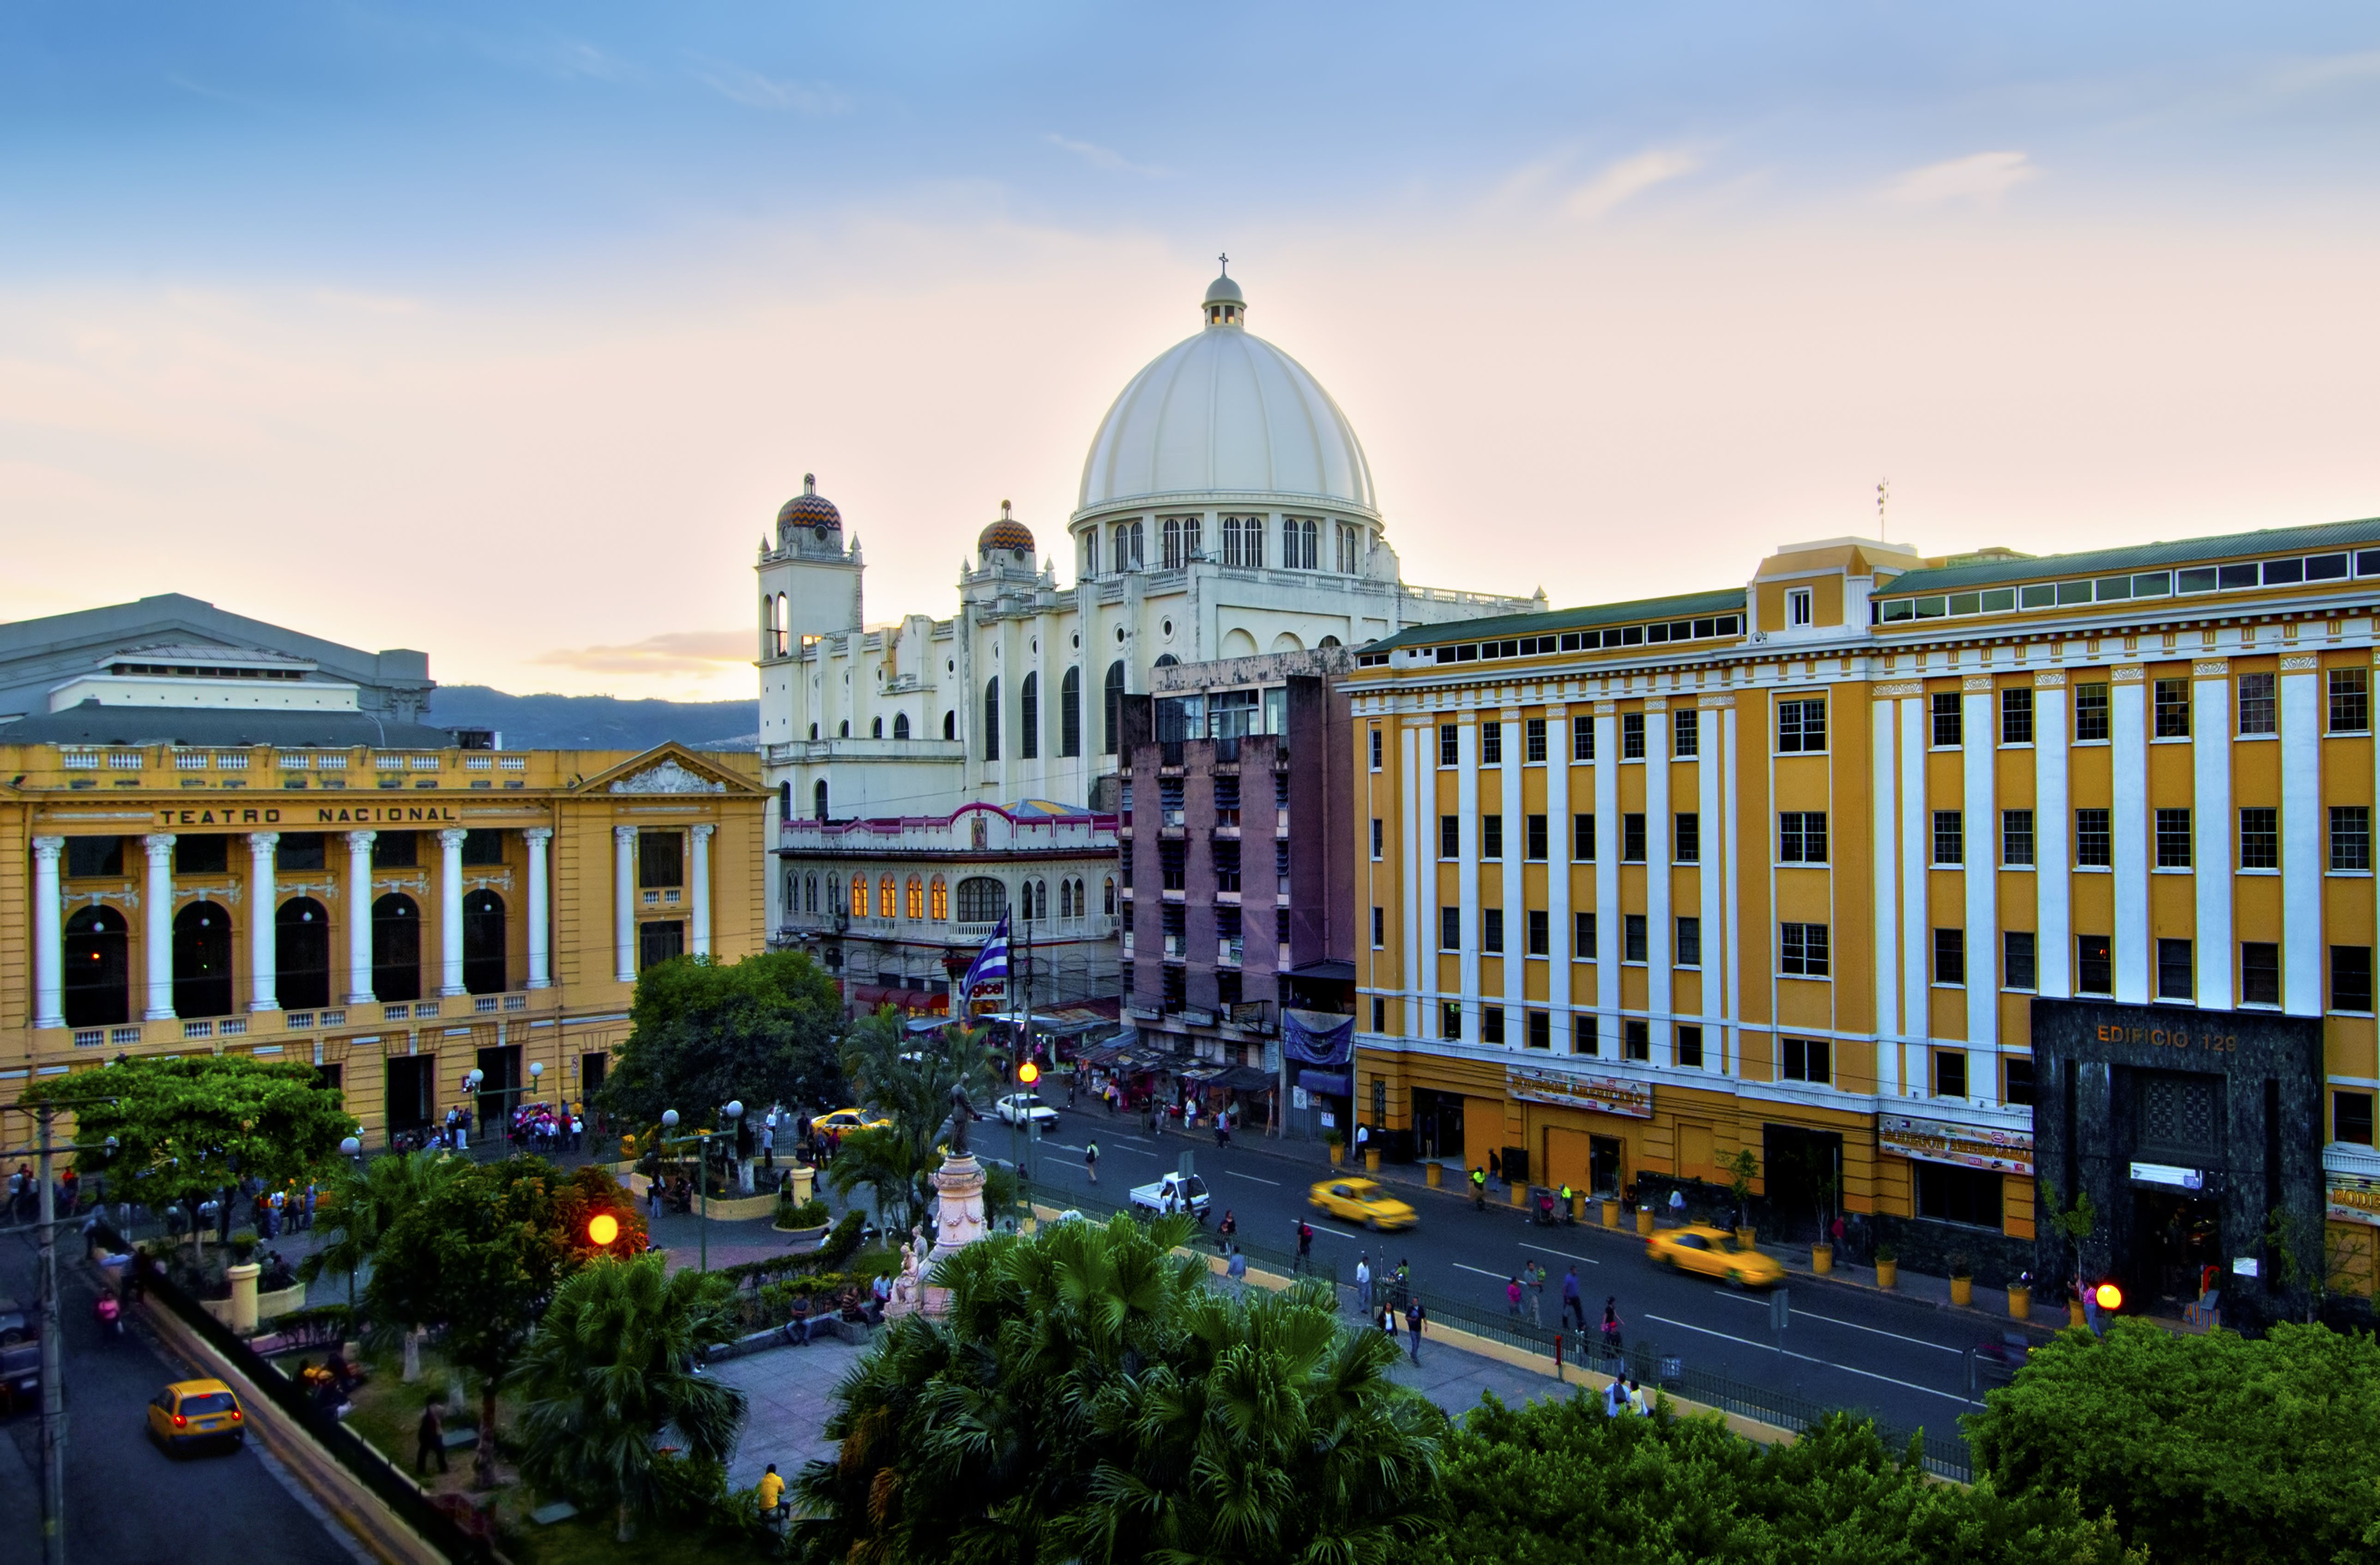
(1565, 1255)
(1806, 1358)
(1062, 1147)
(1855, 1326)
(1483, 1272)
(1237, 1175)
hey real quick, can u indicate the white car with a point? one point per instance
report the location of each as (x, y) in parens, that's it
(1171, 1192)
(1018, 1107)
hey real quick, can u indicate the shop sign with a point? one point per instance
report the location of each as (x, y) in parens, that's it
(1940, 1140)
(1602, 1095)
(2354, 1198)
(2172, 1176)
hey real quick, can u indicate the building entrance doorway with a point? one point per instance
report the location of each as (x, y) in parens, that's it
(1605, 1169)
(2175, 1237)
(1803, 1170)
(1438, 1123)
(500, 1080)
(410, 1084)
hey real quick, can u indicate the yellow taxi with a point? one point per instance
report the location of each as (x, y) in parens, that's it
(191, 1412)
(1360, 1200)
(1713, 1252)
(843, 1122)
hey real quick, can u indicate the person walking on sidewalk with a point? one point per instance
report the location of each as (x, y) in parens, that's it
(1572, 1306)
(1611, 1327)
(1512, 1291)
(1363, 1282)
(1534, 1276)
(1305, 1244)
(1478, 1189)
(1091, 1160)
(1415, 1316)
(1227, 1230)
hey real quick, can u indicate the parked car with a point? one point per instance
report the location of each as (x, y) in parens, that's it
(196, 1413)
(1171, 1192)
(1018, 1107)
(16, 1326)
(20, 1378)
(1360, 1200)
(844, 1121)
(1713, 1252)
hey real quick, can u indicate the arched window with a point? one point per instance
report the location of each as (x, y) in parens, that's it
(981, 900)
(1327, 641)
(1167, 660)
(991, 718)
(814, 731)
(1065, 900)
(98, 969)
(1070, 713)
(949, 725)
(1189, 538)
(785, 626)
(860, 896)
(887, 905)
(900, 725)
(809, 893)
(817, 800)
(396, 948)
(914, 904)
(875, 730)
(1115, 707)
(942, 902)
(1028, 716)
(1111, 902)
(843, 730)
(301, 954)
(1172, 525)
(202, 961)
(784, 801)
(1127, 546)
(483, 943)
(1244, 541)
(1091, 552)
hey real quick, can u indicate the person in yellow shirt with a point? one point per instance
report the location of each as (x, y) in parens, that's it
(772, 1492)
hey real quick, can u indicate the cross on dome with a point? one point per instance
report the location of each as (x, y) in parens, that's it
(1224, 304)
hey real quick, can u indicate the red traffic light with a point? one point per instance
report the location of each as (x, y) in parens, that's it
(602, 1229)
(2108, 1296)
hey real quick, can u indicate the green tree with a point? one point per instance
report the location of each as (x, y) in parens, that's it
(2204, 1448)
(610, 1367)
(702, 1032)
(908, 1081)
(191, 1128)
(361, 1204)
(1090, 1397)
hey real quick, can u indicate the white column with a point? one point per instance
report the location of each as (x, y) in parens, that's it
(2129, 819)
(2053, 838)
(1607, 878)
(160, 941)
(623, 903)
(2300, 836)
(1659, 949)
(1916, 995)
(359, 906)
(1979, 726)
(263, 901)
(1516, 912)
(49, 939)
(1466, 870)
(1557, 850)
(540, 938)
(1718, 851)
(1734, 896)
(1412, 866)
(2210, 755)
(1884, 777)
(697, 886)
(450, 910)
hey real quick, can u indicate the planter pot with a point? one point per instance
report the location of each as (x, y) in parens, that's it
(1371, 1159)
(1963, 1291)
(1888, 1274)
(1822, 1258)
(1746, 1236)
(1644, 1219)
(1338, 1153)
(803, 1177)
(2074, 1318)
(2020, 1302)
(1610, 1214)
(1520, 1196)
(1435, 1174)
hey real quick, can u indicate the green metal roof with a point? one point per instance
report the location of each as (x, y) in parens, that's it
(2138, 557)
(1690, 606)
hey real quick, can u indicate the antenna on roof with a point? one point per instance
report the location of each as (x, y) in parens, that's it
(1883, 493)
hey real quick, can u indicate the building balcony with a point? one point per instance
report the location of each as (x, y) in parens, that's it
(801, 752)
(267, 1032)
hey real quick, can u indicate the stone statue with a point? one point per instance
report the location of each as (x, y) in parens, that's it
(962, 1115)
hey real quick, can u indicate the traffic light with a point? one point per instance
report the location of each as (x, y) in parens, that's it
(2108, 1297)
(1028, 1073)
(602, 1229)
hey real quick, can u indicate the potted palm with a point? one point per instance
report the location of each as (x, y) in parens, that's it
(1888, 1267)
(1338, 1144)
(1962, 1281)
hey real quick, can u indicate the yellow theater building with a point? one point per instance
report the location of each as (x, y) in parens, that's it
(396, 912)
(1936, 883)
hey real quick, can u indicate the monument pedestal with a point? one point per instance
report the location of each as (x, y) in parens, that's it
(959, 1222)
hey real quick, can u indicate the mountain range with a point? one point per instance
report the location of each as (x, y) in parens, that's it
(596, 722)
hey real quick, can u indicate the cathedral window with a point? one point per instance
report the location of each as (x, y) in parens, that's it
(1028, 716)
(949, 725)
(1172, 543)
(860, 896)
(1114, 707)
(884, 903)
(876, 728)
(1070, 713)
(817, 800)
(900, 725)
(1091, 552)
(992, 719)
(915, 905)
(942, 899)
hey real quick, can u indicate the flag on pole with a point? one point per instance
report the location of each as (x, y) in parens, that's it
(991, 964)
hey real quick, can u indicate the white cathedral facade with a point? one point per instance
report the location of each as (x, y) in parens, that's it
(1226, 510)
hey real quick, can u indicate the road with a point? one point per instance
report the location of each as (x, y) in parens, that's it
(1900, 1360)
(126, 1500)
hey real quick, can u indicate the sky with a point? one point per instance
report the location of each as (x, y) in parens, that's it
(502, 331)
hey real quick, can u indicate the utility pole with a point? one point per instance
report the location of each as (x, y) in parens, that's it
(54, 1398)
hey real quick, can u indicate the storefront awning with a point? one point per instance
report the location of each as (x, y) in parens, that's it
(1331, 1084)
(1246, 1079)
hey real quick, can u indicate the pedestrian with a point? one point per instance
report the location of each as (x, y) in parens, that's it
(1227, 1230)
(653, 1195)
(1611, 1327)
(1405, 1276)
(1305, 1244)
(1677, 1207)
(1238, 1266)
(1571, 1306)
(1637, 1402)
(429, 1439)
(1478, 1189)
(1091, 1160)
(1362, 1138)
(1363, 1282)
(1535, 1276)
(1615, 1397)
(772, 1494)
(1513, 1297)
(1495, 1166)
(1415, 1316)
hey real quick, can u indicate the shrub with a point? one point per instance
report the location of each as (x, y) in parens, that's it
(843, 1244)
(812, 1213)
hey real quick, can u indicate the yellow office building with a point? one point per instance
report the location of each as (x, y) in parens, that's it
(1934, 883)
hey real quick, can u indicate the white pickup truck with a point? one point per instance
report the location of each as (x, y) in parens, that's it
(1171, 1192)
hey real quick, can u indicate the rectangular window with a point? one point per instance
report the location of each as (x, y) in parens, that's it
(1802, 951)
(2016, 716)
(2350, 836)
(1379, 1014)
(1949, 726)
(1581, 738)
(1541, 934)
(2259, 839)
(1533, 735)
(1491, 930)
(2351, 700)
(2350, 977)
(1801, 836)
(1631, 736)
(2018, 1070)
(1950, 1075)
(1449, 836)
(1632, 839)
(661, 857)
(1491, 836)
(1583, 1040)
(1801, 727)
(1376, 753)
(1946, 1193)
(2259, 973)
(1799, 606)
(2258, 713)
(394, 849)
(1449, 750)
(2017, 966)
(2095, 842)
(1537, 834)
(1582, 837)
(1491, 744)
(1689, 837)
(1541, 1029)
(1637, 1039)
(2094, 968)
(1690, 1046)
(1808, 1060)
(2173, 970)
(1949, 837)
(1491, 1024)
(300, 851)
(1450, 928)
(1950, 957)
(1451, 1021)
(2015, 837)
(90, 858)
(1582, 934)
(2351, 1117)
(1690, 942)
(1378, 838)
(2090, 713)
(2173, 839)
(1380, 927)
(1685, 726)
(2173, 708)
(1633, 938)
(660, 942)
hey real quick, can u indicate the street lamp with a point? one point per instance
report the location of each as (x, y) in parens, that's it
(471, 1080)
(353, 1150)
(702, 1176)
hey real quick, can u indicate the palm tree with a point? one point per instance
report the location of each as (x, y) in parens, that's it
(908, 1081)
(610, 1367)
(361, 1204)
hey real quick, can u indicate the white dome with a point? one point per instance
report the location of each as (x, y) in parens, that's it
(1226, 414)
